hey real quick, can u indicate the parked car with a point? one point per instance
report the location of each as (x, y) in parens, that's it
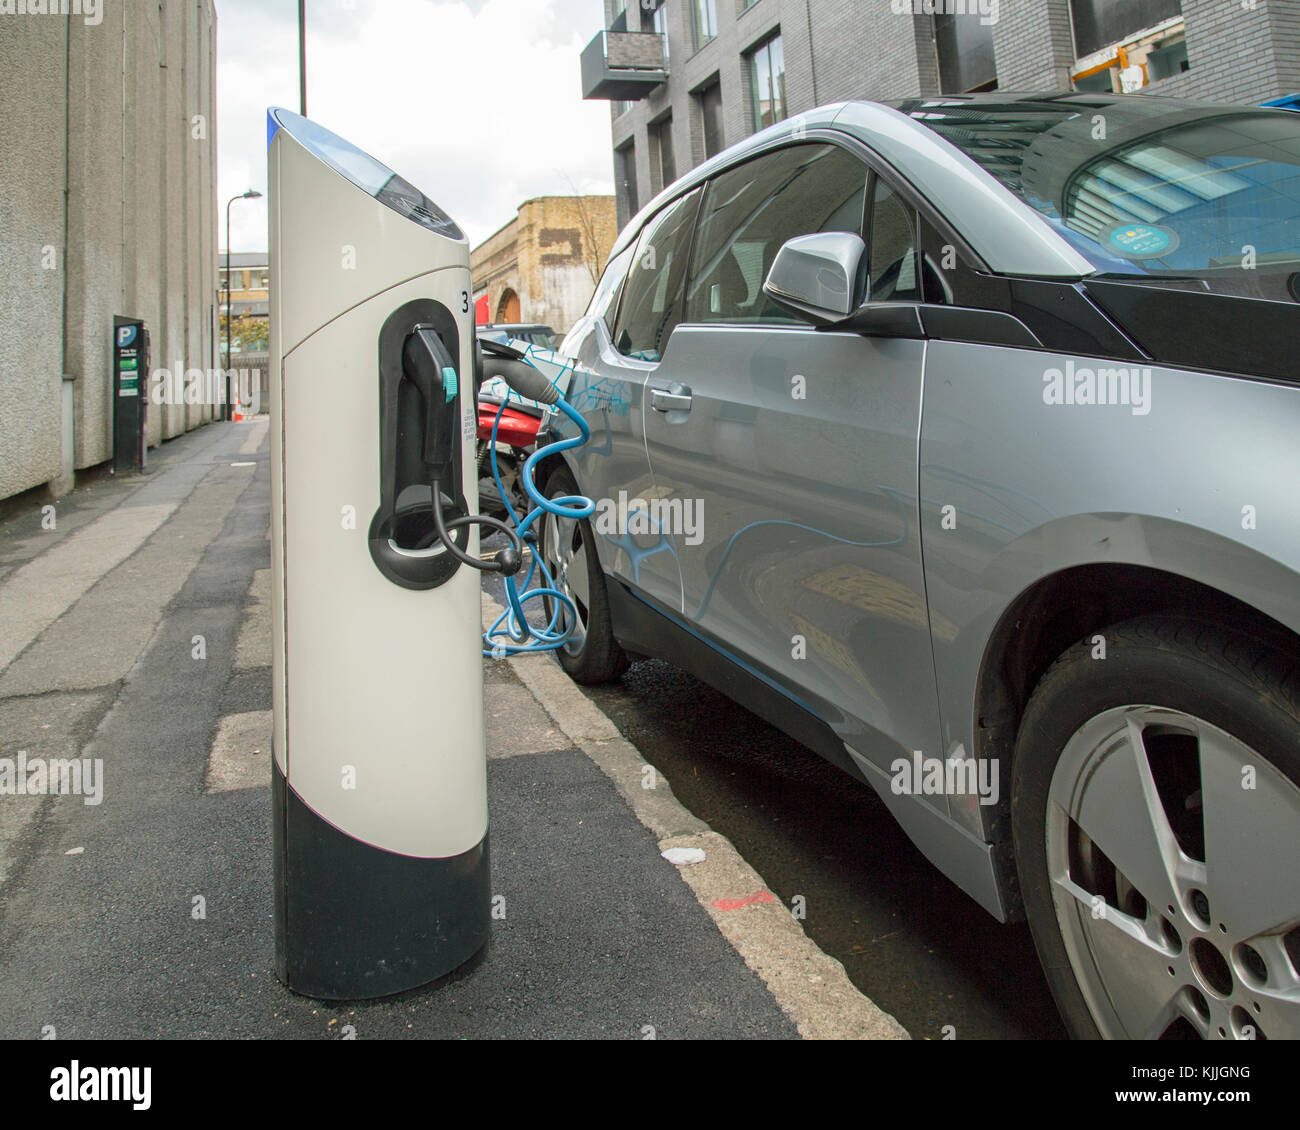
(532, 332)
(957, 437)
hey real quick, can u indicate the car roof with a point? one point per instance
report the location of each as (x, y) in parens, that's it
(1011, 237)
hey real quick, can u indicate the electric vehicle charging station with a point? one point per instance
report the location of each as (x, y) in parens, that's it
(379, 791)
(379, 783)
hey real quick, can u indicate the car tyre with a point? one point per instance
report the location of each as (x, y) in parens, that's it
(1155, 812)
(592, 655)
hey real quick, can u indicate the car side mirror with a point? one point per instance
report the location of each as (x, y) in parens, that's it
(816, 276)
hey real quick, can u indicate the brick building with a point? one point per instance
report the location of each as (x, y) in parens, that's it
(250, 303)
(544, 264)
(250, 285)
(687, 78)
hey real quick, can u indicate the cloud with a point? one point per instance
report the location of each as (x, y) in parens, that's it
(475, 102)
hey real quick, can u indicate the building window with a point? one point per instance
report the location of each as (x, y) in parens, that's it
(767, 83)
(1167, 60)
(1124, 48)
(621, 108)
(625, 178)
(965, 47)
(706, 21)
(662, 132)
(1100, 23)
(710, 101)
(660, 20)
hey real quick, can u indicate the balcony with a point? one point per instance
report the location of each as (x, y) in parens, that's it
(623, 66)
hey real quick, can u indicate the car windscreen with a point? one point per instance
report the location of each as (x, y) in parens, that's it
(1206, 197)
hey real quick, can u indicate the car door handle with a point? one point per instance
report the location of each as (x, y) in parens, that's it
(675, 398)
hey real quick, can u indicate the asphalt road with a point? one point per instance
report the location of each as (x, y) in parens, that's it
(909, 939)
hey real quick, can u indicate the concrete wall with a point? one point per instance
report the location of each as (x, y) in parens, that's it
(32, 237)
(108, 111)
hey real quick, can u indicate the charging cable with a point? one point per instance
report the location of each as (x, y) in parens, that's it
(511, 633)
(428, 365)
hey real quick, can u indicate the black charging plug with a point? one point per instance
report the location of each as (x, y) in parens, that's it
(427, 365)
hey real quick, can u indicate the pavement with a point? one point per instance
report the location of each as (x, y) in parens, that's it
(135, 634)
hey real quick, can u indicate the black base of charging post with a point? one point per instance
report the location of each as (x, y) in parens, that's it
(130, 394)
(355, 922)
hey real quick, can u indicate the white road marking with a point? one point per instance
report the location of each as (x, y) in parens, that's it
(253, 647)
(241, 753)
(34, 596)
(256, 434)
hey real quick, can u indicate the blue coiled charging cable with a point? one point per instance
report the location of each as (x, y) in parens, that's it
(511, 633)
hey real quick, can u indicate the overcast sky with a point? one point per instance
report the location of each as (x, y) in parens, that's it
(476, 102)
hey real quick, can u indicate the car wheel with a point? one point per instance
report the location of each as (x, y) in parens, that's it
(1156, 817)
(591, 654)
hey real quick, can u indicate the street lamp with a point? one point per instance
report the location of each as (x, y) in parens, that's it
(251, 194)
(302, 57)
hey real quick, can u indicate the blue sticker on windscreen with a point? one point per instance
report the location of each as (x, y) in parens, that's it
(1140, 241)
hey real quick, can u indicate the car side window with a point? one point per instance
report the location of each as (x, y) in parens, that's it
(892, 248)
(752, 210)
(652, 296)
(604, 303)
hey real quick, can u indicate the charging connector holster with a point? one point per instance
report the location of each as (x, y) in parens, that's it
(420, 413)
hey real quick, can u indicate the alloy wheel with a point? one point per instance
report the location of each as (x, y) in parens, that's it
(1170, 852)
(565, 553)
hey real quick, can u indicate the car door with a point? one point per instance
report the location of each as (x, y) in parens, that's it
(642, 303)
(793, 453)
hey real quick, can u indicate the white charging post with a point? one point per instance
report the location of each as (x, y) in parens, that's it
(379, 793)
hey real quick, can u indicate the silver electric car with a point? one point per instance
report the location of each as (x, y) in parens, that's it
(960, 438)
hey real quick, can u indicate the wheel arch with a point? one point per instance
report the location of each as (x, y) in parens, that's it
(547, 465)
(1053, 614)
